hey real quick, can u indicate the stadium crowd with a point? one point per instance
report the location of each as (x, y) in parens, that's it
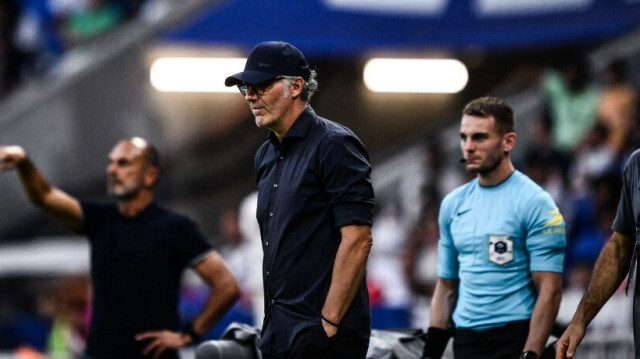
(34, 34)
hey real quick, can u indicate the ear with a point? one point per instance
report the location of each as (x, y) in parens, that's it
(509, 142)
(151, 175)
(296, 87)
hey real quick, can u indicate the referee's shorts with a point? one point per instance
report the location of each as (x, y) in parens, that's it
(504, 342)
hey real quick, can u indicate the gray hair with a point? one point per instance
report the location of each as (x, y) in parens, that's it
(310, 86)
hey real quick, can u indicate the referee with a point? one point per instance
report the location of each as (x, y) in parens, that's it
(501, 250)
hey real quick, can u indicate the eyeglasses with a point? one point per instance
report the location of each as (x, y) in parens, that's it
(258, 89)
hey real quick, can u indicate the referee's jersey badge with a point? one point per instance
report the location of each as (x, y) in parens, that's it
(500, 248)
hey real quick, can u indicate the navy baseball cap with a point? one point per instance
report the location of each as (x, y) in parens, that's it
(269, 60)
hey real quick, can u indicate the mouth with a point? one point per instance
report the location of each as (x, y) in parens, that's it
(257, 108)
(472, 159)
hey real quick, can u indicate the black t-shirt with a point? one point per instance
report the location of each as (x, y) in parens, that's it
(136, 266)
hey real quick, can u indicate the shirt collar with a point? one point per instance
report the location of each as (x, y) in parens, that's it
(300, 127)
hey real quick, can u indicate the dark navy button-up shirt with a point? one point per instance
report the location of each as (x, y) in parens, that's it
(314, 182)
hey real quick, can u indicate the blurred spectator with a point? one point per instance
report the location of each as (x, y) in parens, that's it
(96, 18)
(589, 223)
(389, 298)
(253, 255)
(35, 33)
(59, 327)
(67, 339)
(546, 165)
(617, 109)
(572, 98)
(235, 250)
(420, 261)
(593, 158)
(37, 38)
(130, 8)
(440, 178)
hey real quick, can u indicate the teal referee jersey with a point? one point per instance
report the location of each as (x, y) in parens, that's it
(491, 239)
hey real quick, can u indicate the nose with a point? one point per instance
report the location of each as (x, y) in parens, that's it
(467, 145)
(251, 94)
(111, 168)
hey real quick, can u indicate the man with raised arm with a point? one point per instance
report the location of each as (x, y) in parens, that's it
(139, 250)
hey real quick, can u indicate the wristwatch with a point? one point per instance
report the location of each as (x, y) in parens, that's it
(529, 354)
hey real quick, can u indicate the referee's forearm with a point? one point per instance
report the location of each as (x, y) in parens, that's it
(545, 310)
(443, 303)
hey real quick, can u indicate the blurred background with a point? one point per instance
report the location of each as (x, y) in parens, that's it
(78, 75)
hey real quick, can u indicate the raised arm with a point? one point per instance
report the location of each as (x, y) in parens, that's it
(549, 287)
(224, 293)
(610, 270)
(63, 207)
(348, 273)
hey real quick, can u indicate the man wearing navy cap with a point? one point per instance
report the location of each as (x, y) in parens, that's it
(315, 208)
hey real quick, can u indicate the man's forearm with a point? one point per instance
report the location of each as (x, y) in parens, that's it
(348, 272)
(36, 187)
(610, 270)
(224, 291)
(40, 192)
(217, 305)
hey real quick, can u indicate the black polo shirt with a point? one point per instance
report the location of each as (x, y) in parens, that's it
(314, 182)
(136, 266)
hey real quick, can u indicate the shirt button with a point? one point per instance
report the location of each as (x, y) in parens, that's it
(275, 185)
(270, 214)
(273, 301)
(266, 243)
(267, 273)
(281, 157)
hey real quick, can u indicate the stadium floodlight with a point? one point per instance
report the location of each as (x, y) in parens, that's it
(415, 75)
(194, 74)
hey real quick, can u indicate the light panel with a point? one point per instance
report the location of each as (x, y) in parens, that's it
(194, 74)
(415, 75)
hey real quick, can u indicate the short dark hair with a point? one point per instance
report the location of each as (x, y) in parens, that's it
(152, 156)
(495, 107)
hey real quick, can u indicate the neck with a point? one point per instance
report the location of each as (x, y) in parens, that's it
(289, 119)
(497, 175)
(132, 207)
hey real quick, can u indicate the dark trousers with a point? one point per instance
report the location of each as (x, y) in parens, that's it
(505, 342)
(313, 343)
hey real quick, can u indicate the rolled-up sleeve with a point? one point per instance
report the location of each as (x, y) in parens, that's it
(346, 174)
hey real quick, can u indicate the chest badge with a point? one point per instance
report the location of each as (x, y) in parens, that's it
(500, 249)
